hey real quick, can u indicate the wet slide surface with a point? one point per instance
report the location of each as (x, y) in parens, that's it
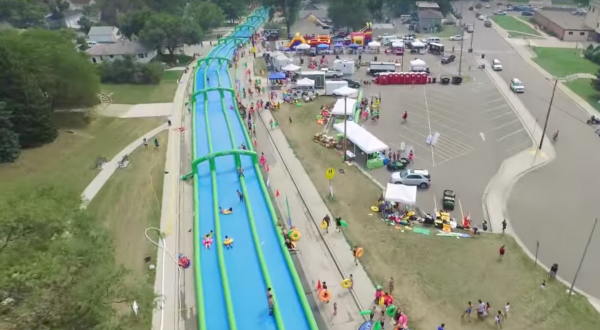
(231, 284)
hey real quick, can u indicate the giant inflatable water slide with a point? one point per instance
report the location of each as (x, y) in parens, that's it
(231, 284)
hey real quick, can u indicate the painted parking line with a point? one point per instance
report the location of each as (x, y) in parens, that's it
(502, 100)
(506, 124)
(502, 115)
(509, 135)
(496, 108)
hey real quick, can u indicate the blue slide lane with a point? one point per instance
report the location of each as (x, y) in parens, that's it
(244, 274)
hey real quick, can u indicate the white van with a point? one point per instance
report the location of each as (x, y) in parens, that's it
(434, 40)
(496, 65)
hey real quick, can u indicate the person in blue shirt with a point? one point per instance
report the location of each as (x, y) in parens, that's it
(442, 327)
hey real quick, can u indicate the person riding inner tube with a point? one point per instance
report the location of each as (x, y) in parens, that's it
(227, 211)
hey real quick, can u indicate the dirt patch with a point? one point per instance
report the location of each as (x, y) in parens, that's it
(435, 276)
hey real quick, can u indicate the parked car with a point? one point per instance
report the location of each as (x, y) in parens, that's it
(419, 178)
(527, 13)
(488, 6)
(448, 59)
(457, 37)
(332, 73)
(500, 13)
(517, 86)
(478, 6)
(352, 83)
(496, 65)
(487, 23)
(470, 7)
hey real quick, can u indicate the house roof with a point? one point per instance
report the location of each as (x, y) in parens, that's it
(430, 14)
(427, 5)
(565, 19)
(124, 47)
(80, 2)
(311, 6)
(101, 31)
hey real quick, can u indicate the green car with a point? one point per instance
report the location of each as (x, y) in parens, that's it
(397, 165)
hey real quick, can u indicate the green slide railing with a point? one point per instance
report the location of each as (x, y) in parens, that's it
(255, 238)
(357, 110)
(288, 259)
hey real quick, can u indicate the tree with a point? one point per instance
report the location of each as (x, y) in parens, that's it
(58, 8)
(27, 108)
(206, 15)
(23, 13)
(66, 78)
(595, 82)
(10, 150)
(233, 9)
(85, 23)
(57, 269)
(129, 71)
(133, 23)
(351, 14)
(170, 32)
(290, 9)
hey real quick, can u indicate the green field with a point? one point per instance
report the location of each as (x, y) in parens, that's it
(163, 92)
(512, 24)
(561, 62)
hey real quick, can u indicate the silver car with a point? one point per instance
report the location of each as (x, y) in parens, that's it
(419, 178)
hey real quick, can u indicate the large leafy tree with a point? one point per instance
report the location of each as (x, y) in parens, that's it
(9, 140)
(351, 14)
(169, 32)
(233, 9)
(23, 13)
(26, 110)
(289, 8)
(206, 15)
(131, 24)
(67, 78)
(57, 269)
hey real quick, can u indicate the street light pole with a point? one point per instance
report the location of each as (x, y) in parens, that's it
(472, 38)
(345, 123)
(462, 42)
(548, 115)
(583, 257)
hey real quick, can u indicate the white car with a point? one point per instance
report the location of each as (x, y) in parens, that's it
(496, 65)
(419, 178)
(488, 6)
(517, 86)
(457, 37)
(480, 17)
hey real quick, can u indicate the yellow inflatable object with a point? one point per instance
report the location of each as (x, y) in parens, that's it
(323, 225)
(374, 209)
(228, 241)
(346, 283)
(295, 235)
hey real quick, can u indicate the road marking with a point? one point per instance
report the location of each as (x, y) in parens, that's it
(429, 121)
(482, 136)
(509, 135)
(503, 125)
(492, 101)
(494, 108)
(502, 115)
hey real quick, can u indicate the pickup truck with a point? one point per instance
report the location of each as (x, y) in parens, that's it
(332, 73)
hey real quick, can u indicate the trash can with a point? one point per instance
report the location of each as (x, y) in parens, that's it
(434, 79)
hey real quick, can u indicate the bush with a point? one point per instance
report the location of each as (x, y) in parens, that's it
(128, 71)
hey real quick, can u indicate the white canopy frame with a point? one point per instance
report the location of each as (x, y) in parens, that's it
(305, 82)
(339, 109)
(362, 138)
(400, 193)
(291, 68)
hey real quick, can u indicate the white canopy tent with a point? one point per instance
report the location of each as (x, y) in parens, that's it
(362, 138)
(374, 44)
(397, 44)
(418, 44)
(303, 47)
(339, 109)
(400, 193)
(291, 67)
(305, 82)
(346, 91)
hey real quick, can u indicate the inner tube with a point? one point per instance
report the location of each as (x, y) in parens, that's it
(324, 295)
(346, 283)
(294, 235)
(359, 252)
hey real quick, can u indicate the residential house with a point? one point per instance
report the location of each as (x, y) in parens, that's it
(104, 34)
(79, 4)
(564, 25)
(422, 5)
(119, 50)
(429, 19)
(592, 17)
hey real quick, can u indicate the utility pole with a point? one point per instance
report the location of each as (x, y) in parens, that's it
(548, 115)
(462, 42)
(472, 38)
(583, 257)
(345, 123)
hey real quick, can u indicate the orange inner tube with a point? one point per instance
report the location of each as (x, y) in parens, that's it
(324, 295)
(359, 252)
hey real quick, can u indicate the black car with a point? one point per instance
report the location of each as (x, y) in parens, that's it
(448, 59)
(352, 83)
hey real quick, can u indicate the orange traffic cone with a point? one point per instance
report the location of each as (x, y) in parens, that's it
(319, 286)
(277, 195)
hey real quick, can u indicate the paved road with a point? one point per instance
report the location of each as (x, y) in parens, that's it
(556, 204)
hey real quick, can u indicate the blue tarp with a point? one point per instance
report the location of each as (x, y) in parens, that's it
(277, 75)
(323, 46)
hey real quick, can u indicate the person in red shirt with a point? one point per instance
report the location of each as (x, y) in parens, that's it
(502, 251)
(405, 116)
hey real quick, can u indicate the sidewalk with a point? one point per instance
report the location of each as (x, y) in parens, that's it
(324, 257)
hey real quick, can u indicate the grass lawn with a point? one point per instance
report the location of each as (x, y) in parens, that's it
(583, 88)
(510, 24)
(446, 32)
(518, 35)
(561, 62)
(178, 60)
(434, 276)
(163, 92)
(69, 159)
(129, 203)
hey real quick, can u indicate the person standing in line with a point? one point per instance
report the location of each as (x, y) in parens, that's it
(391, 285)
(327, 220)
(506, 309)
(270, 300)
(334, 309)
(145, 142)
(240, 195)
(499, 319)
(351, 282)
(480, 309)
(338, 224)
(501, 252)
(503, 226)
(354, 252)
(468, 311)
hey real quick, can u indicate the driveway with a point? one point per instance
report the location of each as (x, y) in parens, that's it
(556, 204)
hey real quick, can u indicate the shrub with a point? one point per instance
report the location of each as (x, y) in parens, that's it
(128, 71)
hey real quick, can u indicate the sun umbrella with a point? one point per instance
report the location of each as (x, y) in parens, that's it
(303, 46)
(353, 46)
(338, 44)
(323, 46)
